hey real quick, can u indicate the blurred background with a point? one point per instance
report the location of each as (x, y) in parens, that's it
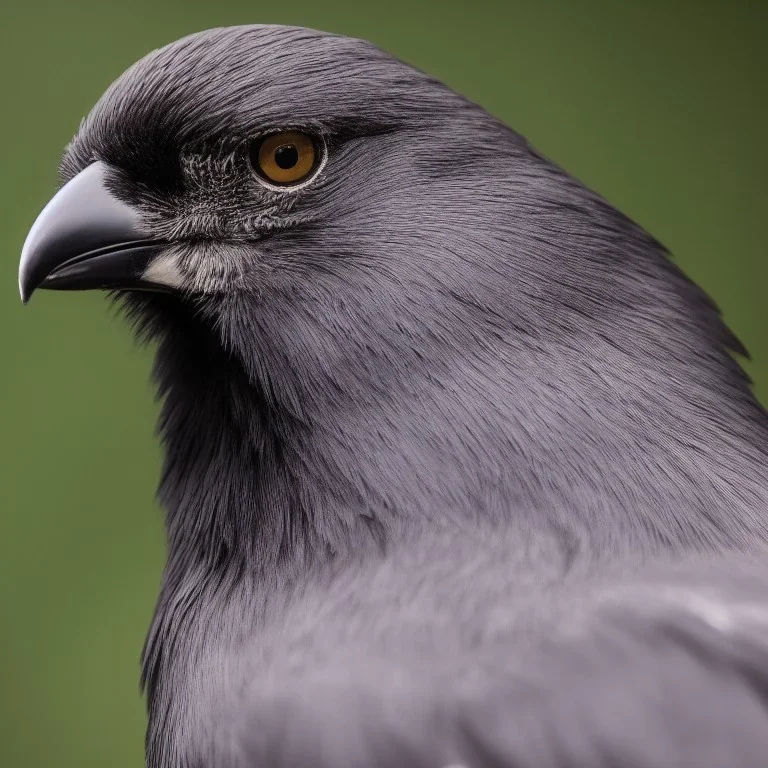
(660, 106)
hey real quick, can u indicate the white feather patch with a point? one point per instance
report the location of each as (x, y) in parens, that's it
(164, 270)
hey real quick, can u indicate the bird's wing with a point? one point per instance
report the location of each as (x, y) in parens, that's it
(666, 668)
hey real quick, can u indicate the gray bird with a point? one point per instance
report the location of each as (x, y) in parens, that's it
(459, 467)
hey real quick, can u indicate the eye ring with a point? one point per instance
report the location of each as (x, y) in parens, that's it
(286, 159)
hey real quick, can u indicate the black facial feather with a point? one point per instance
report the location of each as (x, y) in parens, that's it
(418, 415)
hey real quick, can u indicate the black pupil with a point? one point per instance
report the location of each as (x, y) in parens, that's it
(286, 156)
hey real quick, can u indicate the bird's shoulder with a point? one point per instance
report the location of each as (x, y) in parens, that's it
(662, 664)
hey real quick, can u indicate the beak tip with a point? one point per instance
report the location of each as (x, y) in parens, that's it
(24, 294)
(27, 283)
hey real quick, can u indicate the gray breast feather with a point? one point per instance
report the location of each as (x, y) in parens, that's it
(667, 667)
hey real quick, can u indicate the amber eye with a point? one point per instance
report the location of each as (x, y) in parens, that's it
(284, 158)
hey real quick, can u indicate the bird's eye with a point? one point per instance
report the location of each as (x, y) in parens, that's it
(285, 158)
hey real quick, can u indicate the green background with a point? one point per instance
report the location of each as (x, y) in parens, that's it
(659, 106)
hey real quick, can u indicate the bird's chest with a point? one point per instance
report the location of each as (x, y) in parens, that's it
(200, 644)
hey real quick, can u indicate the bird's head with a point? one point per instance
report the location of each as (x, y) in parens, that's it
(384, 263)
(270, 175)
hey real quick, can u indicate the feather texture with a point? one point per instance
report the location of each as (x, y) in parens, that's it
(459, 467)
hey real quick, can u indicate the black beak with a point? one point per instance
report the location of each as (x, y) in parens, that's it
(86, 238)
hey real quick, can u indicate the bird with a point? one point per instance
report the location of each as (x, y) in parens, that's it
(460, 469)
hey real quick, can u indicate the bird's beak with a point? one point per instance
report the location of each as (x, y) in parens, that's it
(86, 238)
